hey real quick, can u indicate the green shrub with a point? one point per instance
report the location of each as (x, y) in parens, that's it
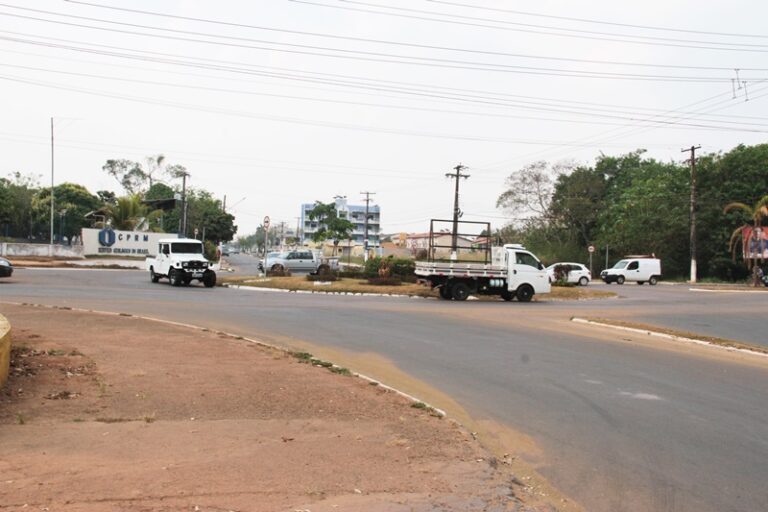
(727, 269)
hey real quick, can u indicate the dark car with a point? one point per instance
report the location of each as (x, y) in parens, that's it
(6, 269)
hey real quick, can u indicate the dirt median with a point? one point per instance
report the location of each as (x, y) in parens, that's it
(105, 412)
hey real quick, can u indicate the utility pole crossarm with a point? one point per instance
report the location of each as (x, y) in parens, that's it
(692, 161)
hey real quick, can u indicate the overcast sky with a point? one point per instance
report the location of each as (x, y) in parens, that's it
(275, 103)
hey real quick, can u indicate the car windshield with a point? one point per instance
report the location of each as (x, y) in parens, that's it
(186, 248)
(621, 264)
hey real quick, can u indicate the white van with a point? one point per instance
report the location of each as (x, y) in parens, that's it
(639, 270)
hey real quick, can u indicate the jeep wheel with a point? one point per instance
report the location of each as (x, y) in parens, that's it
(174, 279)
(620, 280)
(524, 293)
(653, 280)
(209, 279)
(460, 291)
(152, 276)
(507, 295)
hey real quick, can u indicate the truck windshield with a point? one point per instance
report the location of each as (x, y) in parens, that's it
(186, 248)
(621, 264)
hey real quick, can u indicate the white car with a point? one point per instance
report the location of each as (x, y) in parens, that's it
(575, 273)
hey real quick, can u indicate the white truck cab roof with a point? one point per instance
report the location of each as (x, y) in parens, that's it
(176, 240)
(515, 246)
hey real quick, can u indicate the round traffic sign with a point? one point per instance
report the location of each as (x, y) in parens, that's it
(591, 248)
(266, 221)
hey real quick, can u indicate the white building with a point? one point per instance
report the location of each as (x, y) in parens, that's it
(354, 214)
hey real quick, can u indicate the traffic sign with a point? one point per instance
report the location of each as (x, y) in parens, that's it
(591, 248)
(266, 221)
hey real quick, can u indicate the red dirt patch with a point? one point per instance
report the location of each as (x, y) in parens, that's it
(105, 412)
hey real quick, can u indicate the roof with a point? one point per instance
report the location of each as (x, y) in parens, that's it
(172, 240)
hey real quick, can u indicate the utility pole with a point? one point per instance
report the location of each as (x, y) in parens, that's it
(298, 228)
(224, 204)
(365, 230)
(693, 149)
(184, 204)
(52, 198)
(456, 212)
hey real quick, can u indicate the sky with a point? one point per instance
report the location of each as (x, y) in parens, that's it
(276, 103)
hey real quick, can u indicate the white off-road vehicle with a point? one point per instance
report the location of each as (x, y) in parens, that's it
(181, 260)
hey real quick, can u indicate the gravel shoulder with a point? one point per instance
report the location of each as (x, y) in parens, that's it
(109, 412)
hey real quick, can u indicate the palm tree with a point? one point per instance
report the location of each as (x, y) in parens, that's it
(127, 212)
(756, 215)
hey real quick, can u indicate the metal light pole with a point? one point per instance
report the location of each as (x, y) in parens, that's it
(52, 198)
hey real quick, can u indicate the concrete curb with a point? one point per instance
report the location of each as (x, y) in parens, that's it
(5, 349)
(255, 341)
(320, 292)
(724, 291)
(669, 337)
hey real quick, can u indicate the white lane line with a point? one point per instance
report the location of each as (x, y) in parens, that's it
(669, 337)
(725, 291)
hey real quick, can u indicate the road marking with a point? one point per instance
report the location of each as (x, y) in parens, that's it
(669, 337)
(724, 291)
(640, 396)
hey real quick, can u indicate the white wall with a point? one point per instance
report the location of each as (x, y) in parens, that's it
(127, 243)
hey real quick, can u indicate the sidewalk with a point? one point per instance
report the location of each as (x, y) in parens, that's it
(109, 412)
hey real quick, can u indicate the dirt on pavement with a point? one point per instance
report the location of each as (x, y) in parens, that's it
(110, 412)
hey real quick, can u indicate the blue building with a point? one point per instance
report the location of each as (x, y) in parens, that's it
(353, 213)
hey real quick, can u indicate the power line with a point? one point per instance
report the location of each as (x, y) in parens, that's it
(342, 53)
(600, 22)
(387, 42)
(579, 34)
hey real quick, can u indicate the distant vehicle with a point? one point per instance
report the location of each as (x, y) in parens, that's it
(6, 268)
(301, 260)
(181, 260)
(270, 260)
(575, 273)
(640, 270)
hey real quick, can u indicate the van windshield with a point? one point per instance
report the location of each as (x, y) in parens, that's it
(186, 248)
(621, 264)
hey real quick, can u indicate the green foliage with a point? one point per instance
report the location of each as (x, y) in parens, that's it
(389, 266)
(726, 269)
(71, 203)
(330, 225)
(16, 215)
(211, 250)
(126, 212)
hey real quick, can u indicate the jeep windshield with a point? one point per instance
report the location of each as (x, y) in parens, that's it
(186, 248)
(621, 264)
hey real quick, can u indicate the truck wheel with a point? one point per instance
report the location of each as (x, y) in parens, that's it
(445, 292)
(460, 291)
(524, 293)
(209, 279)
(620, 280)
(653, 280)
(507, 295)
(584, 281)
(277, 268)
(152, 276)
(174, 279)
(323, 270)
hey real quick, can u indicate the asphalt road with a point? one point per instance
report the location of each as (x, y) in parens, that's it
(623, 424)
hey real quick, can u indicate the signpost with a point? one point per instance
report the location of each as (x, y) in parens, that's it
(266, 236)
(591, 250)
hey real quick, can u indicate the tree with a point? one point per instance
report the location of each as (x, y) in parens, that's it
(577, 201)
(529, 191)
(72, 203)
(204, 212)
(329, 225)
(16, 216)
(127, 212)
(128, 173)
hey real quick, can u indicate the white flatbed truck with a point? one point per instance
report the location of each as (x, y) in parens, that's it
(513, 272)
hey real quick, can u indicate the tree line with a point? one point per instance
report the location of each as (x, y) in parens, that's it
(150, 202)
(633, 204)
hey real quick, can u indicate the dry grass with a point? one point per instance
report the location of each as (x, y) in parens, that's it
(348, 285)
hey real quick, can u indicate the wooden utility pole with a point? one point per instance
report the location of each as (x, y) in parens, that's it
(456, 212)
(52, 198)
(365, 230)
(692, 160)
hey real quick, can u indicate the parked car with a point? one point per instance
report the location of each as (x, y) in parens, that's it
(270, 260)
(6, 269)
(575, 273)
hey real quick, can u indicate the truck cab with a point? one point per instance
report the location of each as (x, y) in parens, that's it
(525, 269)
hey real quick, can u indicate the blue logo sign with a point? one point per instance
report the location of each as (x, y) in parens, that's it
(107, 237)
